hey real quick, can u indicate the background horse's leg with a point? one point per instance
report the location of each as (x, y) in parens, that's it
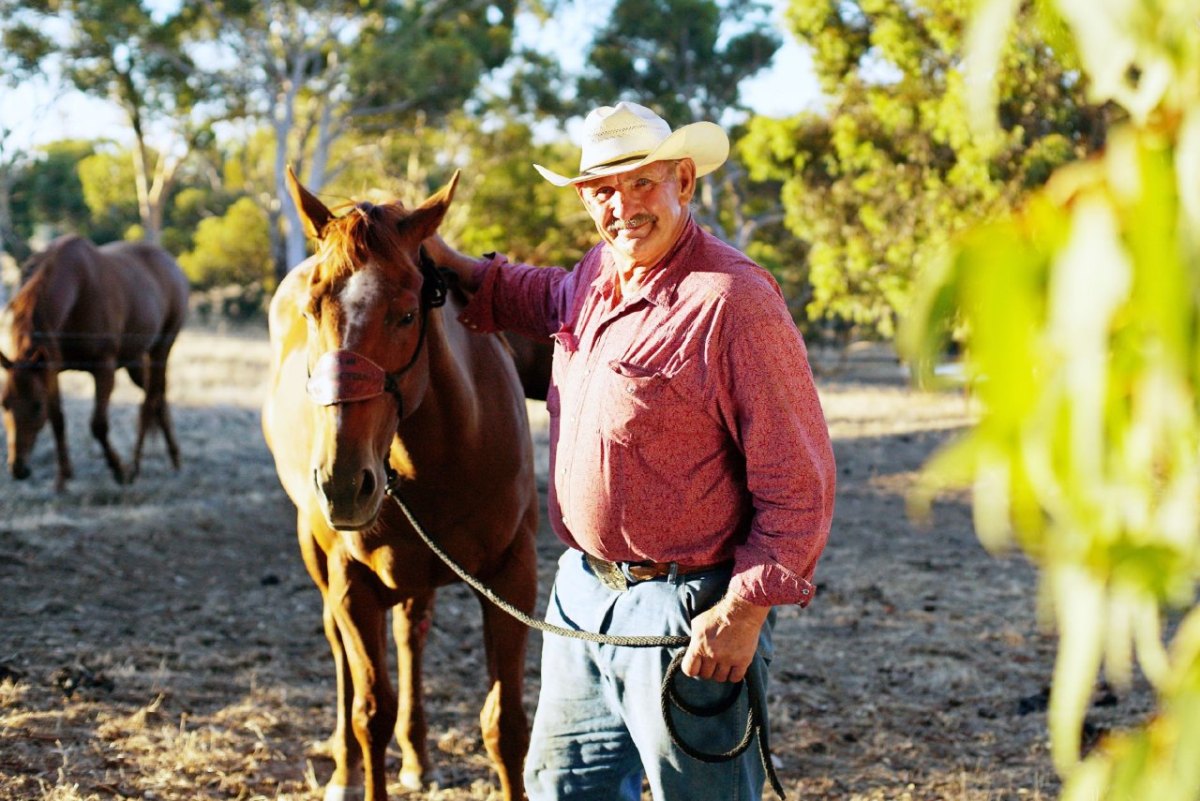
(502, 719)
(59, 426)
(362, 623)
(346, 781)
(104, 376)
(410, 626)
(153, 381)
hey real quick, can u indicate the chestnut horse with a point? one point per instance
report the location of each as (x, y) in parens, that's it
(95, 309)
(371, 382)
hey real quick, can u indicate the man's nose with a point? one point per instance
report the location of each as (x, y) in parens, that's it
(619, 204)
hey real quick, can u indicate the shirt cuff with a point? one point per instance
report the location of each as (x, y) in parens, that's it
(764, 582)
(477, 314)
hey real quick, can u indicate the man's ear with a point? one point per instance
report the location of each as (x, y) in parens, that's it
(685, 171)
(313, 213)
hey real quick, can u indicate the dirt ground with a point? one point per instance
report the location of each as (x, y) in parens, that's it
(162, 640)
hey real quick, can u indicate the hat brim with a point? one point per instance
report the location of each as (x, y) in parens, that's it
(705, 143)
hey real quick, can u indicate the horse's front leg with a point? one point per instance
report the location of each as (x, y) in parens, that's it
(410, 626)
(346, 782)
(502, 719)
(104, 376)
(362, 623)
(59, 426)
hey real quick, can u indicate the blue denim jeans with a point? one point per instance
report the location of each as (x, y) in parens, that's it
(599, 729)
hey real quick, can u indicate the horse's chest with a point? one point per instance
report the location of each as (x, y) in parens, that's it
(399, 561)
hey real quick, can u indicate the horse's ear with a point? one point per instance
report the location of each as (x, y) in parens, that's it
(313, 212)
(426, 219)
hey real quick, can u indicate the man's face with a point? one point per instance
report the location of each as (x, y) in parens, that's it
(642, 212)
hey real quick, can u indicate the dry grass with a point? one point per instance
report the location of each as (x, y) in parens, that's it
(161, 641)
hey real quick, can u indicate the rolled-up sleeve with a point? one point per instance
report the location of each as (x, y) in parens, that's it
(775, 417)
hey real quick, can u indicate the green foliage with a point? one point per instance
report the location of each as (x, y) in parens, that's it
(890, 171)
(684, 57)
(231, 249)
(501, 204)
(47, 192)
(512, 210)
(428, 57)
(107, 181)
(1082, 320)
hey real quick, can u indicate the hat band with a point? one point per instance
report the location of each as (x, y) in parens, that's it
(615, 162)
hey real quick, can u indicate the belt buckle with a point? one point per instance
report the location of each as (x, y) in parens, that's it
(610, 575)
(643, 572)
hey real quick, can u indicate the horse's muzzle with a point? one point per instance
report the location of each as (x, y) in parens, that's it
(350, 502)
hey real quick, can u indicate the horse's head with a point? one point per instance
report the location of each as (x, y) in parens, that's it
(25, 401)
(368, 308)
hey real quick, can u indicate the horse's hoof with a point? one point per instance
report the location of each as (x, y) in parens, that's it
(411, 780)
(338, 792)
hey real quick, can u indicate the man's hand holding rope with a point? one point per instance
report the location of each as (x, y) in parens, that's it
(724, 639)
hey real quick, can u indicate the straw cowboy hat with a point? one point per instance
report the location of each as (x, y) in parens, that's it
(627, 136)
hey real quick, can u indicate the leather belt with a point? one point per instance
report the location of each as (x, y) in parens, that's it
(616, 575)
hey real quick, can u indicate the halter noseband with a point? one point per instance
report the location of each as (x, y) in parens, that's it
(344, 376)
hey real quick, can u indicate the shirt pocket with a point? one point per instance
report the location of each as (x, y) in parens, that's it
(639, 404)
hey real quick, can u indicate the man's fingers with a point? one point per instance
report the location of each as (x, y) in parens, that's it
(700, 667)
(692, 664)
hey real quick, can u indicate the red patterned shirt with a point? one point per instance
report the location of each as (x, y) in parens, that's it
(684, 423)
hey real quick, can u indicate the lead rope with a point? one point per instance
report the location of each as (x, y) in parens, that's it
(669, 695)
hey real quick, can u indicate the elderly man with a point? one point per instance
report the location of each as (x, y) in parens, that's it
(692, 477)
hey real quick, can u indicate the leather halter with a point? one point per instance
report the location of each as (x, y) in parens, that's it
(344, 376)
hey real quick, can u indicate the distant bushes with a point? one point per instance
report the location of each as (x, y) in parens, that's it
(232, 303)
(234, 248)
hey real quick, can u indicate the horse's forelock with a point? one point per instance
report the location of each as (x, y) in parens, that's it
(366, 231)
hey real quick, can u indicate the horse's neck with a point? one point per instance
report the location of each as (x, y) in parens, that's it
(56, 301)
(451, 404)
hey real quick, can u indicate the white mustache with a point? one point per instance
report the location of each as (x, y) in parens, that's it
(636, 221)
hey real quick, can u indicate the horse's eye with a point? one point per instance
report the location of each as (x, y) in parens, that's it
(402, 320)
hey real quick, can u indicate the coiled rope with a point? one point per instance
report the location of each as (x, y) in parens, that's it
(755, 723)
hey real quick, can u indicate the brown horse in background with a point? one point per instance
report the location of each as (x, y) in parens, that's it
(95, 309)
(370, 379)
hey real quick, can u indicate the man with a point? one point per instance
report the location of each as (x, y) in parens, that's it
(692, 473)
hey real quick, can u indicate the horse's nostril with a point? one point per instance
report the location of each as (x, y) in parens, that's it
(367, 488)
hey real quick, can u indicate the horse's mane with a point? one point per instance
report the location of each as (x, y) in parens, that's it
(365, 230)
(24, 304)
